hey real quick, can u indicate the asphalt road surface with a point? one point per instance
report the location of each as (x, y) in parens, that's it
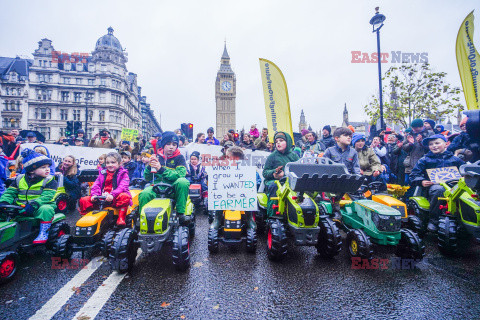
(236, 285)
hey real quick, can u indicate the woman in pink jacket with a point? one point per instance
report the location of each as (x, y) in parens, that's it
(112, 182)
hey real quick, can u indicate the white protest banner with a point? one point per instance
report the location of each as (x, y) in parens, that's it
(87, 158)
(211, 154)
(232, 187)
(444, 174)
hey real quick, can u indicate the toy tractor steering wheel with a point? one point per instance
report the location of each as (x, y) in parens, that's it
(452, 182)
(138, 183)
(157, 188)
(100, 199)
(10, 210)
(376, 186)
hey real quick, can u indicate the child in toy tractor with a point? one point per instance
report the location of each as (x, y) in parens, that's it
(168, 166)
(35, 191)
(112, 183)
(437, 157)
(197, 177)
(274, 166)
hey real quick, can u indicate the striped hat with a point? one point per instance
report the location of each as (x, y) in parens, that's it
(33, 160)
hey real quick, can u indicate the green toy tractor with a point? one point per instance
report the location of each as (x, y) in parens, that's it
(261, 214)
(297, 215)
(16, 236)
(158, 225)
(461, 215)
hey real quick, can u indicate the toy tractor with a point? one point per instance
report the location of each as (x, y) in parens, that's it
(233, 228)
(461, 219)
(297, 215)
(376, 192)
(198, 198)
(158, 225)
(95, 230)
(16, 236)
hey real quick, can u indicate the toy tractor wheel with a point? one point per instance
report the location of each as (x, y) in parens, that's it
(260, 220)
(181, 249)
(56, 231)
(8, 266)
(211, 216)
(415, 224)
(359, 244)
(191, 227)
(276, 241)
(213, 240)
(447, 236)
(329, 239)
(107, 242)
(410, 246)
(414, 209)
(62, 247)
(251, 240)
(123, 251)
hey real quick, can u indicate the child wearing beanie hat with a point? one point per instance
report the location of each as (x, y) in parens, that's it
(196, 172)
(167, 166)
(41, 188)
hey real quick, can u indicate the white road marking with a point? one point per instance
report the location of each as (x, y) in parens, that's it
(61, 297)
(96, 302)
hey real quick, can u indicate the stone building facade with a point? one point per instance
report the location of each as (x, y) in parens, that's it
(60, 87)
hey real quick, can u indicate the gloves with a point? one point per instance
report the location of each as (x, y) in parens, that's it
(29, 210)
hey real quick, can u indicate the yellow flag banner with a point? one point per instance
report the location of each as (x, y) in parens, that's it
(468, 62)
(129, 135)
(277, 105)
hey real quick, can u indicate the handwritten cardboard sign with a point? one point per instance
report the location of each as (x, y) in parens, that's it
(232, 187)
(444, 174)
(129, 135)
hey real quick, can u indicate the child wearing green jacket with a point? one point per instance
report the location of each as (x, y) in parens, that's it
(275, 165)
(35, 189)
(169, 166)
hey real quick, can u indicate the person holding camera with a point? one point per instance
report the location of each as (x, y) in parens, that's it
(102, 140)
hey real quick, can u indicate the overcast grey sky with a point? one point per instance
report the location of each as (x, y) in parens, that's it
(175, 47)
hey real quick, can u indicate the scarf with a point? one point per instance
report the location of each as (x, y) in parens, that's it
(175, 153)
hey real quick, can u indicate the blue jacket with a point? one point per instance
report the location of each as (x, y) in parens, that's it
(215, 141)
(432, 161)
(349, 158)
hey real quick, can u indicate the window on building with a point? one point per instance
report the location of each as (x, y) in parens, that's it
(90, 115)
(43, 113)
(76, 115)
(103, 82)
(62, 132)
(77, 96)
(101, 116)
(91, 82)
(45, 131)
(63, 114)
(90, 97)
(116, 98)
(17, 105)
(79, 80)
(13, 76)
(103, 68)
(66, 80)
(43, 94)
(65, 96)
(102, 97)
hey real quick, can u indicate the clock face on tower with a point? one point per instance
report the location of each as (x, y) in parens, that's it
(226, 86)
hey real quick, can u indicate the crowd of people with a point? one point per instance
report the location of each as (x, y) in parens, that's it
(388, 157)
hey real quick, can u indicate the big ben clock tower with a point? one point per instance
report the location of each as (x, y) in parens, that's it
(225, 91)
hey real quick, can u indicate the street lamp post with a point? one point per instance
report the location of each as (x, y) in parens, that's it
(377, 23)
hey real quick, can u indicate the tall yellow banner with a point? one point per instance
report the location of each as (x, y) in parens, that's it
(277, 105)
(468, 62)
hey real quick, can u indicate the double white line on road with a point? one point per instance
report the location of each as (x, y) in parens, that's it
(94, 304)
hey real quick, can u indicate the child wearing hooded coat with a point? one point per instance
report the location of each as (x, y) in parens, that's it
(275, 165)
(35, 189)
(113, 183)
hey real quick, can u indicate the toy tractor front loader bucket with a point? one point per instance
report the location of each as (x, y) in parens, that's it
(321, 175)
(471, 173)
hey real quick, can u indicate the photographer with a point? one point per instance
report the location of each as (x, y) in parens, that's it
(102, 140)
